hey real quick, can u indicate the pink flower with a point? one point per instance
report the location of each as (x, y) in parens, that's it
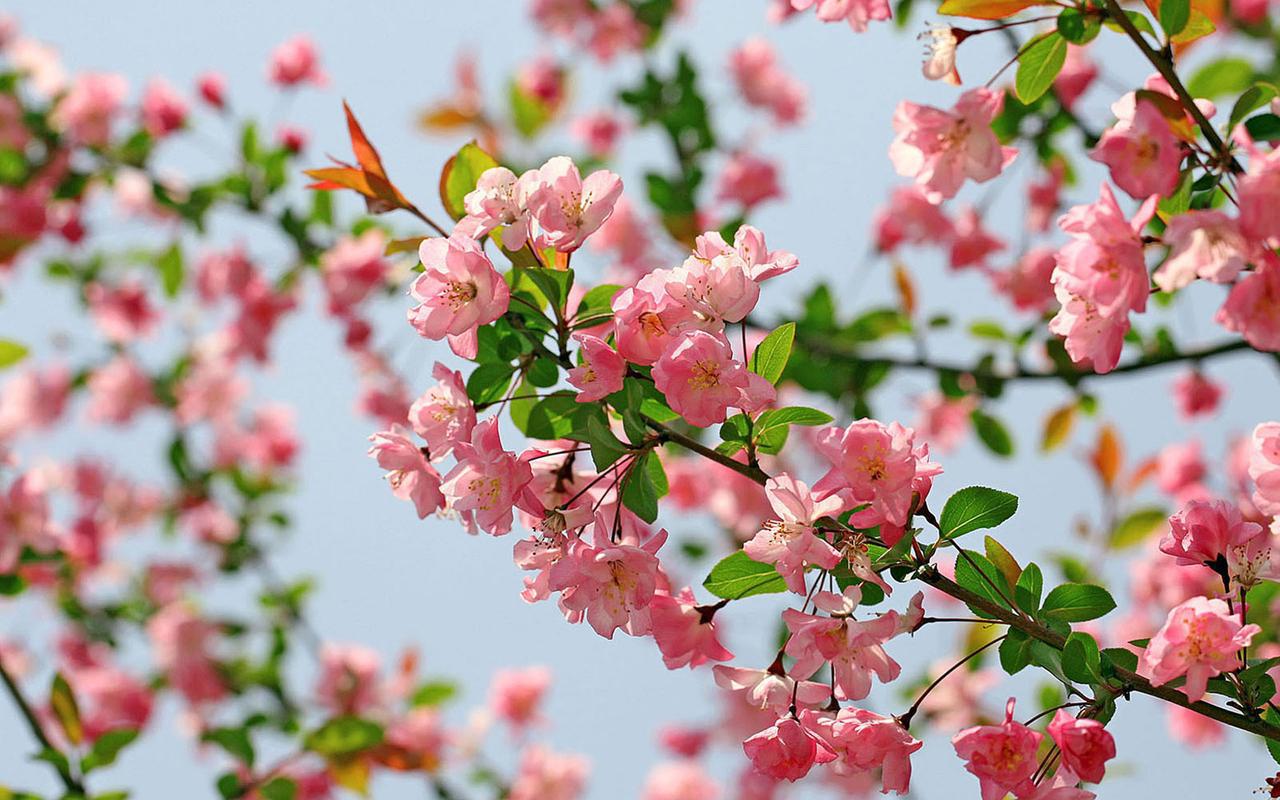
(1196, 395)
(615, 29)
(270, 442)
(109, 699)
(443, 416)
(787, 750)
(599, 131)
(182, 643)
(348, 683)
(163, 109)
(610, 585)
(560, 17)
(119, 390)
(701, 380)
(763, 84)
(944, 421)
(1075, 77)
(291, 138)
(544, 775)
(417, 740)
(295, 62)
(601, 371)
(748, 180)
(1085, 744)
(679, 780)
(1264, 467)
(770, 689)
(458, 291)
(1202, 244)
(1252, 309)
(1179, 469)
(876, 464)
(941, 42)
(123, 312)
(856, 12)
(224, 273)
(683, 740)
(487, 480)
(209, 523)
(410, 474)
(1003, 757)
(567, 208)
(790, 542)
(1216, 535)
(212, 88)
(516, 694)
(89, 107)
(543, 80)
(719, 283)
(1193, 728)
(499, 199)
(1141, 152)
(685, 632)
(1257, 193)
(210, 390)
(1200, 638)
(854, 649)
(940, 149)
(1044, 197)
(352, 268)
(24, 520)
(972, 243)
(864, 741)
(910, 218)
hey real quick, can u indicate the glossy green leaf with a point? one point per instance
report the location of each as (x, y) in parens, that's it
(770, 357)
(1077, 602)
(1039, 64)
(975, 508)
(736, 576)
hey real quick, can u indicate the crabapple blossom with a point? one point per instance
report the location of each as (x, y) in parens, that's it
(118, 390)
(410, 474)
(685, 632)
(1252, 309)
(443, 416)
(212, 88)
(680, 780)
(614, 29)
(1085, 744)
(790, 542)
(770, 689)
(1076, 76)
(485, 484)
(854, 649)
(1196, 395)
(458, 291)
(1200, 638)
(878, 465)
(610, 585)
(940, 43)
(544, 775)
(864, 741)
(1003, 757)
(1264, 467)
(972, 243)
(89, 107)
(163, 109)
(295, 62)
(1257, 192)
(762, 83)
(1216, 535)
(499, 200)
(910, 218)
(123, 312)
(516, 694)
(1141, 152)
(24, 520)
(109, 699)
(787, 750)
(1202, 244)
(349, 681)
(940, 148)
(568, 208)
(182, 640)
(601, 371)
(599, 132)
(543, 80)
(944, 421)
(352, 268)
(748, 180)
(856, 12)
(1180, 469)
(701, 380)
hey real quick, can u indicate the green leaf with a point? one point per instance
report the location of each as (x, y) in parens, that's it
(344, 736)
(169, 265)
(992, 433)
(559, 416)
(1222, 77)
(1263, 127)
(1081, 660)
(528, 113)
(770, 356)
(1174, 16)
(106, 748)
(639, 490)
(737, 576)
(433, 693)
(1273, 747)
(1137, 527)
(1015, 651)
(605, 447)
(1077, 602)
(1027, 593)
(596, 306)
(279, 788)
(977, 574)
(1255, 97)
(1039, 64)
(11, 352)
(235, 741)
(792, 415)
(1077, 27)
(62, 701)
(460, 175)
(1139, 21)
(488, 382)
(975, 508)
(1002, 560)
(554, 283)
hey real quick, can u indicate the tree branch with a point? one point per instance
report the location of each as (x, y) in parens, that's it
(69, 781)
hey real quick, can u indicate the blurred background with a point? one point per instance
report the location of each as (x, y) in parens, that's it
(388, 580)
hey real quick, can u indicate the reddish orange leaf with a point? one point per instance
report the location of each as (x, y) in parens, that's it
(366, 155)
(1107, 456)
(906, 288)
(985, 9)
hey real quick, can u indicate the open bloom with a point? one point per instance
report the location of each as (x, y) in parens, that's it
(1216, 535)
(878, 465)
(940, 43)
(940, 148)
(864, 741)
(1003, 756)
(295, 62)
(1252, 309)
(1264, 467)
(685, 632)
(856, 12)
(762, 82)
(1085, 744)
(855, 649)
(487, 480)
(1200, 638)
(163, 109)
(352, 268)
(748, 180)
(410, 474)
(611, 585)
(516, 694)
(601, 371)
(790, 542)
(1202, 244)
(787, 750)
(1142, 152)
(701, 380)
(499, 199)
(348, 681)
(85, 113)
(443, 416)
(119, 390)
(568, 208)
(770, 689)
(1196, 395)
(458, 291)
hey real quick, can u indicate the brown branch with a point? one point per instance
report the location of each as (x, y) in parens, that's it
(69, 781)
